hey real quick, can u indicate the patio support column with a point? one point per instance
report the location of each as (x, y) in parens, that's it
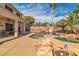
(16, 28)
(24, 28)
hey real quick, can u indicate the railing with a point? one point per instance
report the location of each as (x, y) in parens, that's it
(3, 33)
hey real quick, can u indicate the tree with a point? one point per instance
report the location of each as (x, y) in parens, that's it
(72, 21)
(29, 20)
(45, 24)
(62, 24)
(77, 11)
(52, 6)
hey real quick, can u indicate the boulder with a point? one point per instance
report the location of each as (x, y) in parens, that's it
(62, 52)
(71, 36)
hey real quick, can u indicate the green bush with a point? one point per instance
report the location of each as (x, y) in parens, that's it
(76, 40)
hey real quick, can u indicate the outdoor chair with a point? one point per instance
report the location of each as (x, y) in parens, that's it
(1, 34)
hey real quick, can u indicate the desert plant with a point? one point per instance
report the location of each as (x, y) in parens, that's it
(72, 21)
(62, 24)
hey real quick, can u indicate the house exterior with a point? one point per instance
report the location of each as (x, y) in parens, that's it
(37, 29)
(11, 21)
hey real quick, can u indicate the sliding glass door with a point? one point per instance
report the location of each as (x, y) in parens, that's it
(9, 28)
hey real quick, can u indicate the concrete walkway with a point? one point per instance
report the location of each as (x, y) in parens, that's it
(6, 38)
(23, 46)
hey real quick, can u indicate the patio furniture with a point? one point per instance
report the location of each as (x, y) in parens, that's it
(1, 33)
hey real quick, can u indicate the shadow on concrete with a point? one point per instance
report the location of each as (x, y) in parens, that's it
(20, 35)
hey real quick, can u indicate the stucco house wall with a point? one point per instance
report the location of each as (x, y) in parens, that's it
(6, 14)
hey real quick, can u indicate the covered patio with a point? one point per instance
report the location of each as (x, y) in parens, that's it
(10, 24)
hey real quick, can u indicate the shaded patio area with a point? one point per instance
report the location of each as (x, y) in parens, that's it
(23, 46)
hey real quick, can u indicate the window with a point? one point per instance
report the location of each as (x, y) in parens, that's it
(9, 27)
(7, 7)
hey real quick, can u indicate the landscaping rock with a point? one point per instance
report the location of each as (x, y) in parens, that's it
(71, 36)
(62, 52)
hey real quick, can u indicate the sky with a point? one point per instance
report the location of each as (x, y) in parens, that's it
(62, 10)
(42, 11)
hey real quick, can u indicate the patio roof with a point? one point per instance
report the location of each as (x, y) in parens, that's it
(7, 14)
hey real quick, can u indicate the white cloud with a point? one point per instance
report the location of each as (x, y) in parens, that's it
(33, 12)
(38, 15)
(48, 18)
(33, 9)
(40, 18)
(43, 19)
(39, 11)
(55, 19)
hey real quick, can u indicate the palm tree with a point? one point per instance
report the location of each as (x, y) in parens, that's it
(77, 11)
(62, 24)
(53, 6)
(72, 21)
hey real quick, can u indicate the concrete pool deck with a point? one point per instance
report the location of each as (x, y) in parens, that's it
(22, 46)
(7, 38)
(26, 46)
